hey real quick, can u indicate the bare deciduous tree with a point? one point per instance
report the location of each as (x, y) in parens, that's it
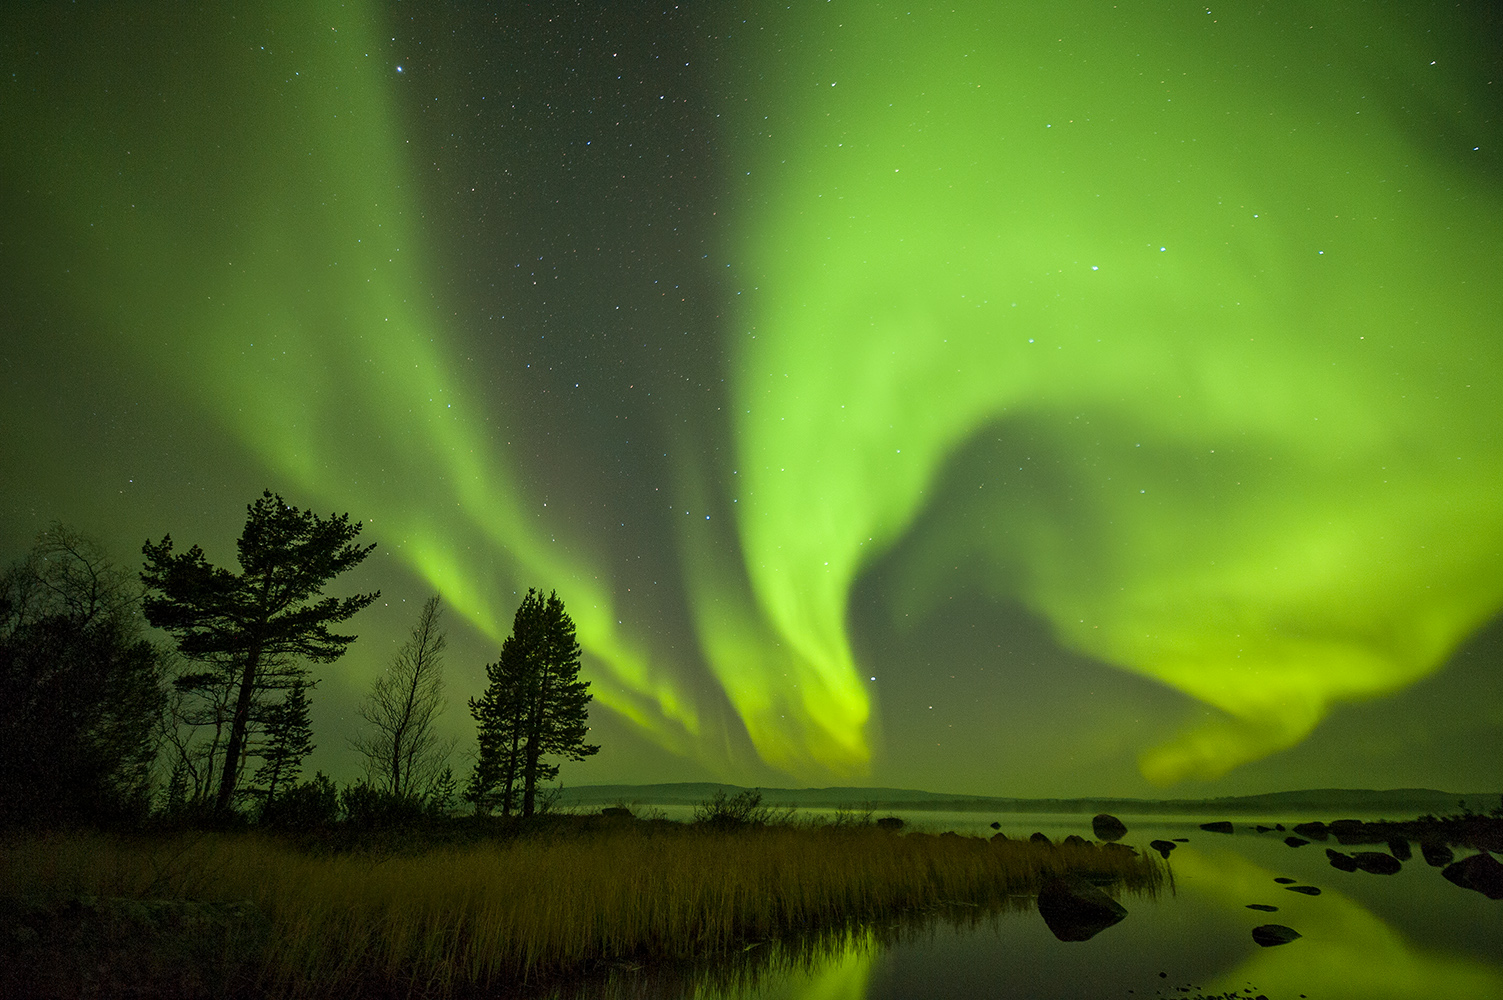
(403, 750)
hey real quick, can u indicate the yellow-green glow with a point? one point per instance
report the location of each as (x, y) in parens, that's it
(1346, 952)
(1253, 330)
(1234, 314)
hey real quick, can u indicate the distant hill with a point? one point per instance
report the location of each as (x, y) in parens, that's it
(1393, 803)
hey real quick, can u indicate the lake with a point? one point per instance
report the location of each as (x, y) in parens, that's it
(1403, 936)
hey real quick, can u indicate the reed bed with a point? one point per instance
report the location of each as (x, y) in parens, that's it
(498, 912)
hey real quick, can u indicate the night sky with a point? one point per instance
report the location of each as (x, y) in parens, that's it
(970, 396)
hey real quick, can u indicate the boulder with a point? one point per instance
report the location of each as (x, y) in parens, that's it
(1279, 827)
(1480, 872)
(1377, 863)
(1118, 849)
(1039, 838)
(1436, 855)
(1399, 848)
(1281, 880)
(1220, 826)
(1350, 831)
(1314, 831)
(1075, 840)
(999, 838)
(616, 812)
(890, 823)
(1075, 910)
(996, 825)
(1162, 846)
(1296, 841)
(1263, 829)
(1308, 890)
(1269, 935)
(1108, 827)
(1344, 862)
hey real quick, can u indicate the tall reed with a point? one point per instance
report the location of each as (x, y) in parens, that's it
(496, 912)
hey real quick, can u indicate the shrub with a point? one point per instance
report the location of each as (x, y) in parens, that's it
(369, 808)
(724, 812)
(304, 806)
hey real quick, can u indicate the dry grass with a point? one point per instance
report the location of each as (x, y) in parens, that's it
(504, 912)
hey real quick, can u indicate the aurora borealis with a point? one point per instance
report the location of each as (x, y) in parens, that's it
(979, 397)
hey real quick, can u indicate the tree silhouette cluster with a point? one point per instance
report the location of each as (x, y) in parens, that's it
(89, 705)
(80, 687)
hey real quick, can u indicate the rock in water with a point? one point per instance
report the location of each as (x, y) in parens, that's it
(1308, 890)
(1344, 862)
(1479, 872)
(1162, 846)
(1220, 826)
(1436, 855)
(1262, 906)
(1076, 910)
(1315, 831)
(1377, 863)
(1296, 841)
(1271, 934)
(1399, 848)
(1108, 827)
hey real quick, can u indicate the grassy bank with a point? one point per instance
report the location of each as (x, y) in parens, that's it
(495, 912)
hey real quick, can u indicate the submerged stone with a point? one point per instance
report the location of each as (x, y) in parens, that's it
(1220, 826)
(1344, 862)
(1296, 841)
(1269, 935)
(1108, 827)
(1308, 890)
(1262, 906)
(1437, 855)
(1075, 910)
(1478, 872)
(1377, 863)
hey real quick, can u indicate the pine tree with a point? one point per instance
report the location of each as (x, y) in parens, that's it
(249, 624)
(288, 739)
(535, 705)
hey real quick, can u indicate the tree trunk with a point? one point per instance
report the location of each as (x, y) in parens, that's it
(238, 724)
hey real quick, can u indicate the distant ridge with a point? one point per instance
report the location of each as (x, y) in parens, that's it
(1393, 803)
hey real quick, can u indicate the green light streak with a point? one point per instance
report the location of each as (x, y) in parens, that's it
(309, 332)
(1246, 317)
(1260, 360)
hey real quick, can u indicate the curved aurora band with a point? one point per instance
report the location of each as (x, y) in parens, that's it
(1249, 322)
(1242, 310)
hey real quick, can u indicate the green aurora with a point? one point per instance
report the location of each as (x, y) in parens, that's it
(1179, 329)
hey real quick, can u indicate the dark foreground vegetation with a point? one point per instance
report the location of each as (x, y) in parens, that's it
(465, 906)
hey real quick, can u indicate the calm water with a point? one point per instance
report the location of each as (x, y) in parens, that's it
(1404, 936)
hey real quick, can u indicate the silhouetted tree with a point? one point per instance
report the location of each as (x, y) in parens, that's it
(404, 752)
(288, 739)
(249, 624)
(81, 691)
(534, 705)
